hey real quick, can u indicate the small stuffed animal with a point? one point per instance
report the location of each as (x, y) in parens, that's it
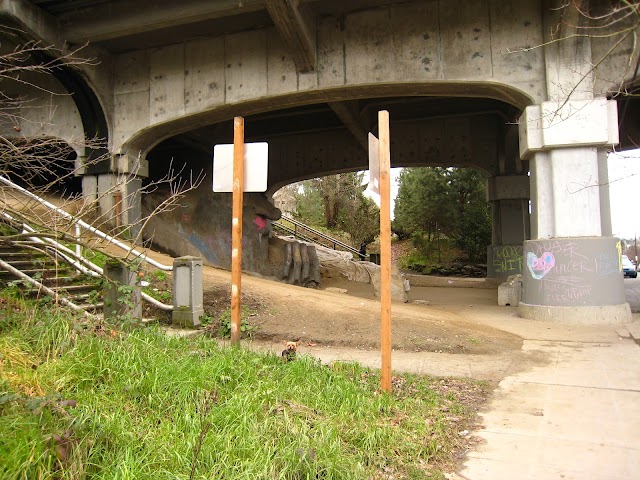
(289, 353)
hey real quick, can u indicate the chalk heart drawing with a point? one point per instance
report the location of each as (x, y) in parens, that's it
(539, 267)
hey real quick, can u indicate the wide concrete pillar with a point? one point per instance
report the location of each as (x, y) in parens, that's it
(117, 193)
(509, 198)
(572, 270)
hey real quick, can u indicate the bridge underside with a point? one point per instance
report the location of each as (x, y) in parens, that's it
(315, 140)
(478, 84)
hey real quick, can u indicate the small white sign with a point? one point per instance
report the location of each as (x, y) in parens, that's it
(256, 163)
(374, 165)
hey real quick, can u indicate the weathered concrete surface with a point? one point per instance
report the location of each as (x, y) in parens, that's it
(403, 45)
(575, 418)
(201, 226)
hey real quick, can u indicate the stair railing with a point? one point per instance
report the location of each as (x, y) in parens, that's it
(309, 234)
(56, 297)
(75, 258)
(80, 224)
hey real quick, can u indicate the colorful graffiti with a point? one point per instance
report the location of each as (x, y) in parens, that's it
(573, 271)
(540, 266)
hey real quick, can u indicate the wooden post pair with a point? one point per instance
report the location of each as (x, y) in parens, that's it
(384, 158)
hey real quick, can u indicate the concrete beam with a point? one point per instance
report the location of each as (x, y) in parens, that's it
(118, 19)
(32, 21)
(349, 116)
(512, 187)
(297, 30)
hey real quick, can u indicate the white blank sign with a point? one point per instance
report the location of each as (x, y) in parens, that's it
(374, 164)
(256, 162)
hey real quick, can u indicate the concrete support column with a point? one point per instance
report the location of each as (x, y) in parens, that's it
(509, 197)
(117, 193)
(122, 298)
(572, 270)
(187, 291)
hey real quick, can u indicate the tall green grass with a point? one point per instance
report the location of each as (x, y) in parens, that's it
(99, 403)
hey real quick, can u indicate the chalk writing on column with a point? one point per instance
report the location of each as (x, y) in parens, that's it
(508, 258)
(567, 272)
(557, 257)
(557, 248)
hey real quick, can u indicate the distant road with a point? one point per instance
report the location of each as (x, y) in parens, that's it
(632, 292)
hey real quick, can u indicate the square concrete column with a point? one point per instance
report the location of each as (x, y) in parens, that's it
(564, 143)
(572, 269)
(187, 291)
(509, 198)
(119, 193)
(122, 298)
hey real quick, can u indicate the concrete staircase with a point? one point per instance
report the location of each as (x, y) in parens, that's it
(288, 226)
(51, 270)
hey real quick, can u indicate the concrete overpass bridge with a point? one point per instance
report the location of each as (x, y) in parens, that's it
(519, 89)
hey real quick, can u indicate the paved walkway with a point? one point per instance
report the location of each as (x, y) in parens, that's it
(576, 418)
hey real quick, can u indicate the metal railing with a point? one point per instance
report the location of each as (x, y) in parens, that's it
(80, 224)
(75, 258)
(308, 234)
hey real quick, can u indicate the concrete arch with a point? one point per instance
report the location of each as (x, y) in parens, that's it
(60, 103)
(141, 142)
(92, 116)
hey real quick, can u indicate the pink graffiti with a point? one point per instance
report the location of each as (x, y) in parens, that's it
(540, 266)
(260, 222)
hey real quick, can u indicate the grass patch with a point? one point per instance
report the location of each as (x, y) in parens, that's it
(89, 401)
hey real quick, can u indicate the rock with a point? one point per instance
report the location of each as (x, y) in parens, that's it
(336, 289)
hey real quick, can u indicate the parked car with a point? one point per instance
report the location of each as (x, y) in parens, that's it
(628, 268)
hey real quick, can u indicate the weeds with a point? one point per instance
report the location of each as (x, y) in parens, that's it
(85, 401)
(224, 326)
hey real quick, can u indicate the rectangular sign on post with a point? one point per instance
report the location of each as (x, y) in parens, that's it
(239, 167)
(374, 164)
(256, 166)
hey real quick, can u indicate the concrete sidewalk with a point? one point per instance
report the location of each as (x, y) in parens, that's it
(577, 418)
(574, 416)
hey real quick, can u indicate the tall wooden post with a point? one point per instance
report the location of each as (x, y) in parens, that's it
(236, 228)
(385, 248)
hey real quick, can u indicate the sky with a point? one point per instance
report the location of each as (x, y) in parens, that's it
(624, 190)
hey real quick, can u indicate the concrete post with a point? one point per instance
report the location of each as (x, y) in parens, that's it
(572, 268)
(509, 197)
(121, 293)
(187, 291)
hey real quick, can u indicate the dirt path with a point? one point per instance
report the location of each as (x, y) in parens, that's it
(449, 336)
(330, 318)
(342, 321)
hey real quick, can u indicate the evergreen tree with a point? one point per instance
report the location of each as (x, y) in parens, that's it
(444, 201)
